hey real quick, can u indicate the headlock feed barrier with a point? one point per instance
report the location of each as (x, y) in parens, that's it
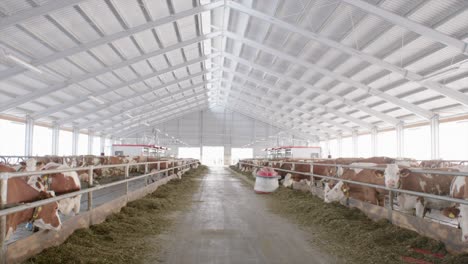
(94, 215)
(442, 232)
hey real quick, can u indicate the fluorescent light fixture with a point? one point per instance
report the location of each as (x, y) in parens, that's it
(147, 124)
(23, 63)
(97, 100)
(129, 115)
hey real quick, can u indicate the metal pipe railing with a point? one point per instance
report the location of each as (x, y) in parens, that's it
(34, 204)
(31, 173)
(426, 195)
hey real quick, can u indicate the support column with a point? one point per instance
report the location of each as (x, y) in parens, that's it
(374, 141)
(355, 143)
(400, 139)
(55, 139)
(435, 147)
(103, 145)
(339, 140)
(201, 135)
(327, 148)
(29, 134)
(90, 142)
(75, 138)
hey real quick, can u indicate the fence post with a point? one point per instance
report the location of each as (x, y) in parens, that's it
(159, 168)
(146, 172)
(167, 168)
(127, 175)
(312, 181)
(390, 206)
(90, 184)
(3, 231)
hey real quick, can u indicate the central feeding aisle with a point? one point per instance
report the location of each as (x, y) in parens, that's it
(229, 223)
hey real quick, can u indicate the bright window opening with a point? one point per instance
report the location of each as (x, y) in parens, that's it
(386, 144)
(347, 147)
(42, 141)
(12, 139)
(417, 143)
(364, 146)
(65, 143)
(454, 140)
(189, 153)
(213, 156)
(83, 144)
(240, 153)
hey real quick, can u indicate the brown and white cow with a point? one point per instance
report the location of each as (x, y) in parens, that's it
(19, 191)
(61, 183)
(341, 190)
(459, 190)
(433, 183)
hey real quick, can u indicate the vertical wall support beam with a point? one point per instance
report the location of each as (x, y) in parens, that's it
(90, 142)
(355, 144)
(327, 148)
(339, 140)
(374, 141)
(29, 134)
(201, 135)
(400, 137)
(75, 138)
(103, 145)
(435, 147)
(55, 139)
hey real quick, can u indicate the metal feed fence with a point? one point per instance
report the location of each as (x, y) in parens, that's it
(8, 175)
(391, 190)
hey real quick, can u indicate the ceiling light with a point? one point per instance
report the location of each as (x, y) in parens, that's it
(129, 115)
(97, 100)
(23, 63)
(147, 124)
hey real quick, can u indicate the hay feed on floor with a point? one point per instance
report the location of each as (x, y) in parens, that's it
(122, 237)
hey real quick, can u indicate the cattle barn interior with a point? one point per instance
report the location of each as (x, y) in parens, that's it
(233, 131)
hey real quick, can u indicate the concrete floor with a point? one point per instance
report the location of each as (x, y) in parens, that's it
(229, 223)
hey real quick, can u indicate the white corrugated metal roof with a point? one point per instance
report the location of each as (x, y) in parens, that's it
(319, 67)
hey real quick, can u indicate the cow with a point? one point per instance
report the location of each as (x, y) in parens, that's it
(459, 190)
(19, 191)
(341, 190)
(61, 183)
(403, 178)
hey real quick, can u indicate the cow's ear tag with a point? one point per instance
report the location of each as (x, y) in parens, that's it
(29, 226)
(451, 215)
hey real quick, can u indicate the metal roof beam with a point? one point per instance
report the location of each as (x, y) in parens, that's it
(389, 119)
(170, 108)
(133, 108)
(404, 22)
(354, 120)
(276, 111)
(275, 124)
(94, 110)
(59, 86)
(107, 39)
(412, 76)
(295, 60)
(190, 109)
(140, 117)
(257, 114)
(81, 99)
(242, 98)
(41, 10)
(315, 116)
